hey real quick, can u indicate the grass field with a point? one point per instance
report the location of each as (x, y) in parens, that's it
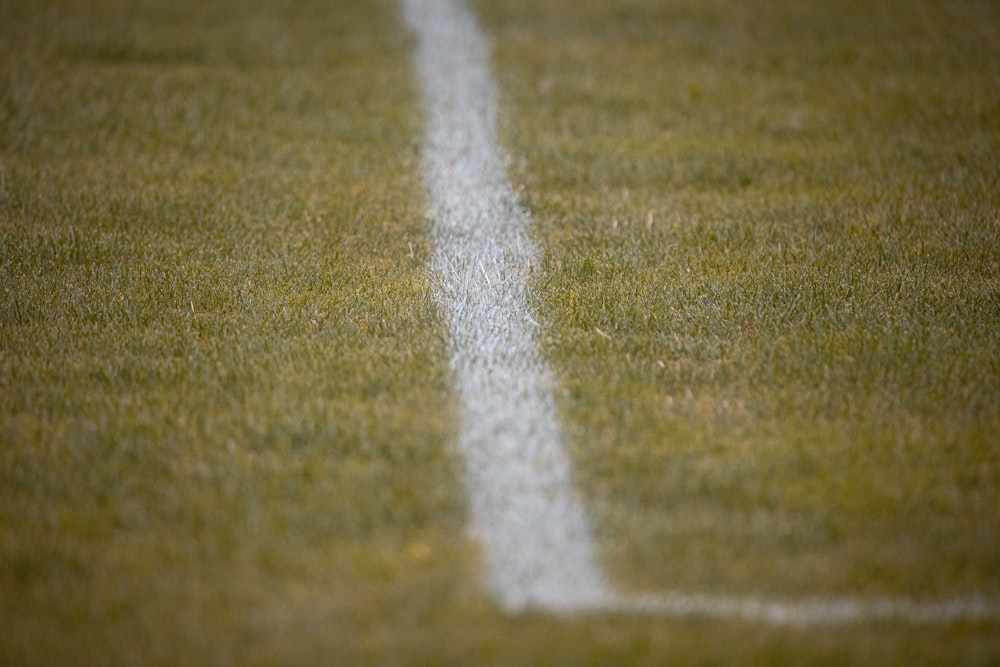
(772, 283)
(770, 290)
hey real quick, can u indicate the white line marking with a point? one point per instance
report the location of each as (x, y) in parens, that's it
(537, 543)
(810, 611)
(536, 540)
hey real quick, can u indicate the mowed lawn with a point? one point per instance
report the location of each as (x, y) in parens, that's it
(225, 407)
(770, 290)
(772, 283)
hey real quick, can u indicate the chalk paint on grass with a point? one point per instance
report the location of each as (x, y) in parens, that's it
(536, 540)
(535, 537)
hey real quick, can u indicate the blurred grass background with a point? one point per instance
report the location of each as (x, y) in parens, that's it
(225, 412)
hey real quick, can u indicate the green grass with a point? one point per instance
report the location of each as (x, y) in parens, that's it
(771, 284)
(226, 418)
(225, 410)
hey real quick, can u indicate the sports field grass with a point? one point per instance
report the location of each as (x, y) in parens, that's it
(771, 292)
(772, 283)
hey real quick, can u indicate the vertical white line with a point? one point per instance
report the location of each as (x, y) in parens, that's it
(536, 540)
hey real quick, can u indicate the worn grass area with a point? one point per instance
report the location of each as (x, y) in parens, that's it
(225, 415)
(772, 284)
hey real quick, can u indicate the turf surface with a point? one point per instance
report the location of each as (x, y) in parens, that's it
(770, 293)
(771, 283)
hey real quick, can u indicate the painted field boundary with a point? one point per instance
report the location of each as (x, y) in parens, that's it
(537, 543)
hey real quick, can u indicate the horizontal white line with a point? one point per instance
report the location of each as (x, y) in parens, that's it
(809, 611)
